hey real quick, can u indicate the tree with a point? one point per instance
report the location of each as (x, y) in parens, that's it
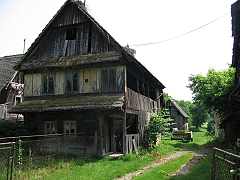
(213, 90)
(199, 115)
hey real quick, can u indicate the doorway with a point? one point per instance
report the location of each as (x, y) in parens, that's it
(109, 135)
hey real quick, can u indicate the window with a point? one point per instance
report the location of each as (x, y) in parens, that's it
(108, 79)
(18, 100)
(50, 127)
(72, 81)
(71, 34)
(48, 84)
(70, 128)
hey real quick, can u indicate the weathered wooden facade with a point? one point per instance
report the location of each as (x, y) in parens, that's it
(179, 116)
(11, 87)
(79, 79)
(231, 125)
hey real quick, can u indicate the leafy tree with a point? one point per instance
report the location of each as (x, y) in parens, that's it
(212, 91)
(167, 97)
(199, 115)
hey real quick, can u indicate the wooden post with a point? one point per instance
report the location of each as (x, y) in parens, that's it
(95, 143)
(124, 135)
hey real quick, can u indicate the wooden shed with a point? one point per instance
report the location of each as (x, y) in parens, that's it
(78, 78)
(179, 116)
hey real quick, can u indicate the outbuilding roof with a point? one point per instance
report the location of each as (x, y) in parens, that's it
(7, 71)
(173, 103)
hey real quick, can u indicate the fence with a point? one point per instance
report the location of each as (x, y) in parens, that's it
(132, 142)
(6, 160)
(21, 152)
(222, 165)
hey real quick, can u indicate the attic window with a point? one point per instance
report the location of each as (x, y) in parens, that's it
(71, 34)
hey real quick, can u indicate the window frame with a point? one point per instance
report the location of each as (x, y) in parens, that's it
(72, 81)
(51, 127)
(109, 80)
(47, 82)
(16, 100)
(69, 133)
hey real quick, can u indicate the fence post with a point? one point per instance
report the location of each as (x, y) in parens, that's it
(213, 165)
(12, 162)
(57, 143)
(84, 141)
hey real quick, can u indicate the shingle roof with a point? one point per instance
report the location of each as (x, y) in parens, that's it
(7, 64)
(76, 103)
(73, 61)
(178, 107)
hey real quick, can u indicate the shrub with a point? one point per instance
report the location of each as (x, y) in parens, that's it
(11, 129)
(159, 123)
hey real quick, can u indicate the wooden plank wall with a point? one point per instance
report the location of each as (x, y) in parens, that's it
(89, 81)
(52, 46)
(143, 105)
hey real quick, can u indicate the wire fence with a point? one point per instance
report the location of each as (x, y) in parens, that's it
(6, 160)
(18, 153)
(225, 165)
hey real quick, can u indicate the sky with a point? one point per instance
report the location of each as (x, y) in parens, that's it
(173, 39)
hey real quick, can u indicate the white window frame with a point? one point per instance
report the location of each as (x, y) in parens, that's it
(17, 96)
(53, 125)
(68, 127)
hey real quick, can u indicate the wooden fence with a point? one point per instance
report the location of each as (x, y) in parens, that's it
(132, 142)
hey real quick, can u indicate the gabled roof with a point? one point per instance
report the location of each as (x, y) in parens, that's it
(173, 103)
(7, 71)
(80, 6)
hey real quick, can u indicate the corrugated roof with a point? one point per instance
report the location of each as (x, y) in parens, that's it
(7, 64)
(76, 103)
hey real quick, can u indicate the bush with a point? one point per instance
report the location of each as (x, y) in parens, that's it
(159, 123)
(12, 129)
(211, 127)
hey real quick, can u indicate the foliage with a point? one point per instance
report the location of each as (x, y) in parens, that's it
(212, 91)
(211, 127)
(167, 97)
(10, 128)
(199, 115)
(159, 123)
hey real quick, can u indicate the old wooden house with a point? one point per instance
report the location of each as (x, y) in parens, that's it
(231, 125)
(179, 116)
(78, 78)
(11, 87)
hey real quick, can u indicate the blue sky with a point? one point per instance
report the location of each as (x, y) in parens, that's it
(138, 22)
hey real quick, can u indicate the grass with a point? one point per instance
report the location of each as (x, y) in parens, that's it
(199, 172)
(166, 170)
(87, 168)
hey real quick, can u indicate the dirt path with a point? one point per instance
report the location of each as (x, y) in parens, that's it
(199, 155)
